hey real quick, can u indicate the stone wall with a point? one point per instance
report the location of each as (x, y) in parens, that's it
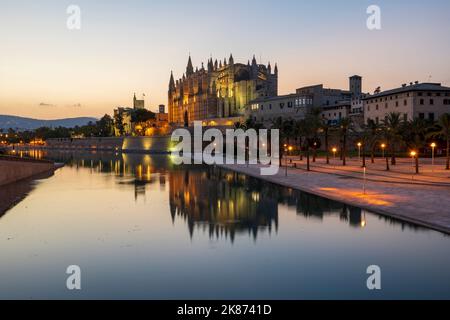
(14, 169)
(124, 144)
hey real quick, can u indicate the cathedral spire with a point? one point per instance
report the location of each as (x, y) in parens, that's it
(189, 68)
(254, 60)
(269, 67)
(276, 68)
(171, 82)
(231, 61)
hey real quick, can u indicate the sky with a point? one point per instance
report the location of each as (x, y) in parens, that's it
(48, 71)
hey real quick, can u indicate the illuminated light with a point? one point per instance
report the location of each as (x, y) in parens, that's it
(363, 223)
(433, 145)
(383, 146)
(413, 153)
(359, 144)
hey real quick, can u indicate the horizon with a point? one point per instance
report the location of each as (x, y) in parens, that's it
(50, 72)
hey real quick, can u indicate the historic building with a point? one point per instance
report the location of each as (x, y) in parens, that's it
(219, 91)
(416, 100)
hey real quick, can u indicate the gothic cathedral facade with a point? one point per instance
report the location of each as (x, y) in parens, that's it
(222, 90)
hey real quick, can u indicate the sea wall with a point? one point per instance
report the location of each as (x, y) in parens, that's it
(124, 144)
(16, 169)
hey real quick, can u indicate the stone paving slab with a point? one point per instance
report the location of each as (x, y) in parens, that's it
(427, 206)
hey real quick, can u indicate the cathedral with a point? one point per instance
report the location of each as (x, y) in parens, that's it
(220, 91)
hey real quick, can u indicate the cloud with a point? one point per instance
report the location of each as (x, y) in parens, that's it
(44, 104)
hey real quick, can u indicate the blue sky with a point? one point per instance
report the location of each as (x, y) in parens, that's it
(48, 71)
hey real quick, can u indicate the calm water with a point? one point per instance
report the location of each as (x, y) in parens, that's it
(140, 227)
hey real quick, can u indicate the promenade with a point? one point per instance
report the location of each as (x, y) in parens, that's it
(421, 199)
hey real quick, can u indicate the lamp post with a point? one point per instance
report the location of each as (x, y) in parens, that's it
(433, 146)
(413, 156)
(383, 146)
(285, 161)
(334, 153)
(359, 151)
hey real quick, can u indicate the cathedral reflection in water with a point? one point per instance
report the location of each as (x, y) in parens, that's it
(210, 199)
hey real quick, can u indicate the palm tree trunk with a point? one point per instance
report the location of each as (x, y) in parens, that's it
(344, 151)
(372, 154)
(364, 156)
(417, 164)
(393, 159)
(300, 149)
(326, 148)
(448, 153)
(307, 159)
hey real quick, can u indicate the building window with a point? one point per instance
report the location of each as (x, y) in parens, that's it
(281, 105)
(396, 103)
(422, 102)
(368, 108)
(446, 101)
(431, 101)
(289, 104)
(405, 102)
(431, 116)
(386, 106)
(270, 106)
(420, 94)
(376, 107)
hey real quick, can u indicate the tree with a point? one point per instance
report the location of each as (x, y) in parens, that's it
(105, 126)
(325, 128)
(345, 126)
(142, 115)
(118, 123)
(393, 126)
(415, 133)
(443, 130)
(373, 133)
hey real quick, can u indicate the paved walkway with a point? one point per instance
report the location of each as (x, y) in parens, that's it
(394, 194)
(403, 172)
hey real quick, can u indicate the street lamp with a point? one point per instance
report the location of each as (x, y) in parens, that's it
(359, 151)
(334, 152)
(413, 156)
(383, 146)
(433, 146)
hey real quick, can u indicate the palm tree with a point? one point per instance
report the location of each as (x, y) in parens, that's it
(393, 125)
(299, 134)
(325, 128)
(443, 130)
(415, 133)
(372, 133)
(344, 125)
(286, 130)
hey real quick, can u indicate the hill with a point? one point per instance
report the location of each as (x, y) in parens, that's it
(22, 123)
